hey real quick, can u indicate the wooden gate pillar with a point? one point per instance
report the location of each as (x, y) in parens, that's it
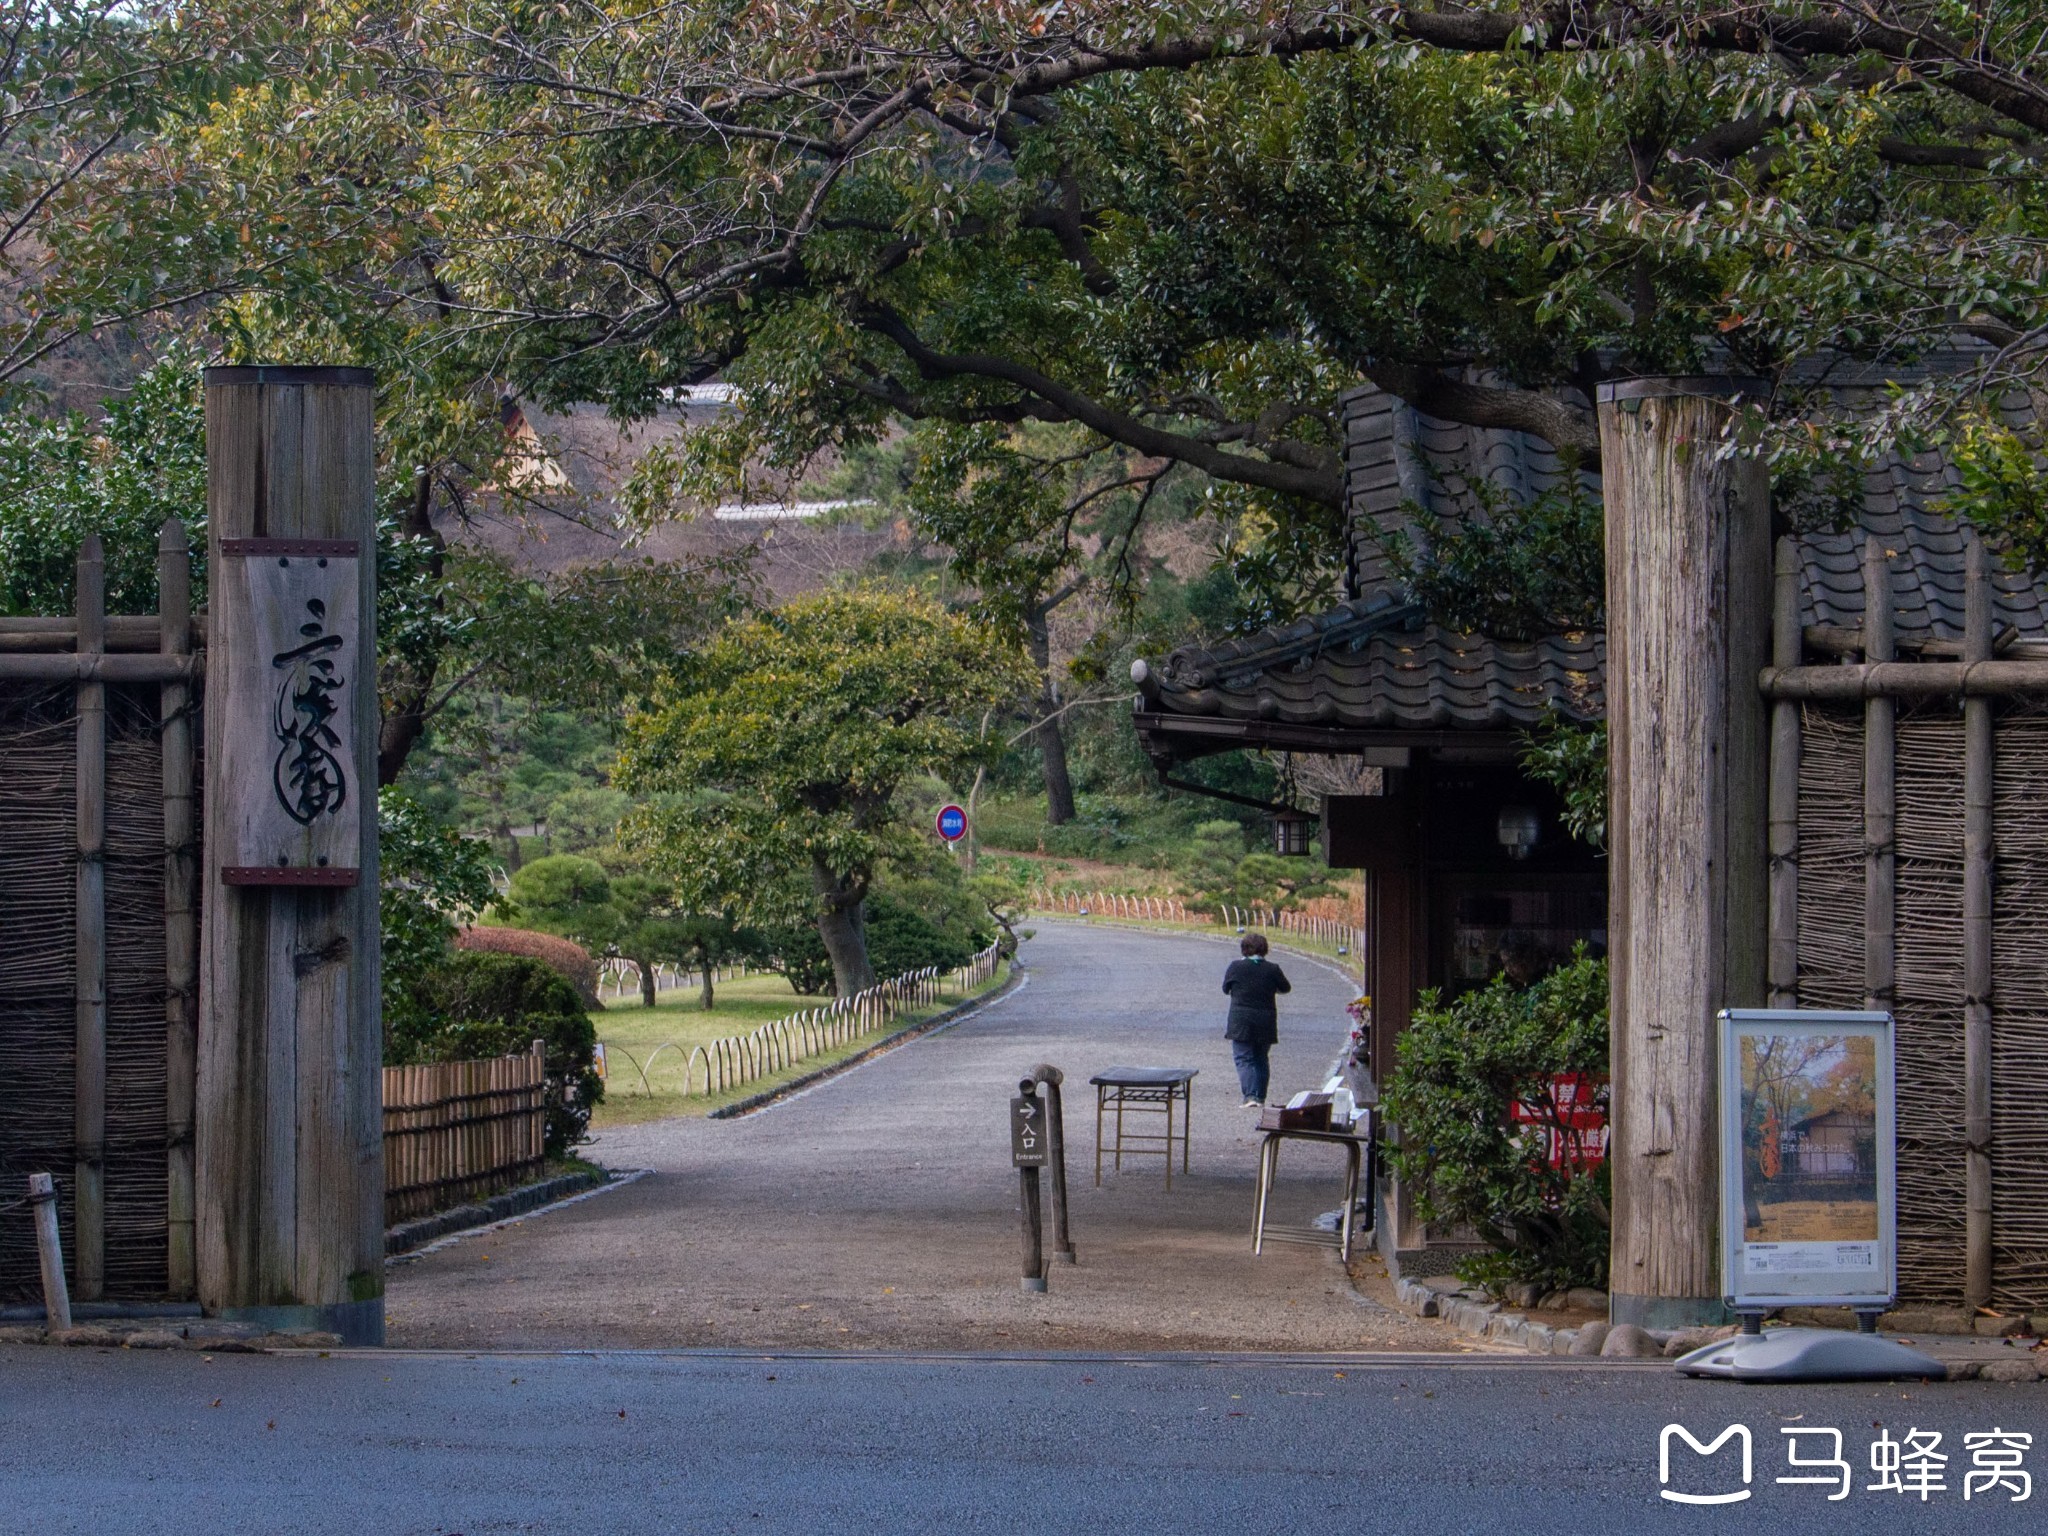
(1688, 632)
(289, 1145)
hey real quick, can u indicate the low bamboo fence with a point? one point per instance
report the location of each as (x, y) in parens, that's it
(461, 1130)
(733, 1061)
(621, 978)
(1342, 936)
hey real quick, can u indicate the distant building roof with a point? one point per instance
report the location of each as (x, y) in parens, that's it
(1374, 666)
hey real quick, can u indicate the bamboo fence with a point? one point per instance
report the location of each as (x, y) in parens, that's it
(460, 1130)
(1910, 872)
(733, 1061)
(97, 896)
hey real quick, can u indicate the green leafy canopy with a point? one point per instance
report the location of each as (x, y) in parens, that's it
(782, 746)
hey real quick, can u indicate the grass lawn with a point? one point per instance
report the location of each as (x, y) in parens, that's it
(629, 1030)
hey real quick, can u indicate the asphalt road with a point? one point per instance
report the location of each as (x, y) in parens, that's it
(878, 1209)
(102, 1441)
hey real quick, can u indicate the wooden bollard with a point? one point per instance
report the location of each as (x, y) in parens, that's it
(42, 1196)
(1056, 1150)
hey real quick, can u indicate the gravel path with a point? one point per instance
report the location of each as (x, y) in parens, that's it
(878, 1209)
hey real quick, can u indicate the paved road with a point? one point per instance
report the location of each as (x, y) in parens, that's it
(137, 1444)
(878, 1210)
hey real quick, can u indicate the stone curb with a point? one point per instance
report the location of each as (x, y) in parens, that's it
(1471, 1313)
(408, 1235)
(767, 1096)
(219, 1337)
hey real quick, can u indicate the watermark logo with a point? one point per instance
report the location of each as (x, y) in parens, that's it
(1913, 1466)
(1737, 1432)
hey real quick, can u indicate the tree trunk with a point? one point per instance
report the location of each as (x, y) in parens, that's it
(1688, 630)
(647, 993)
(512, 859)
(400, 731)
(843, 928)
(1052, 743)
(709, 1000)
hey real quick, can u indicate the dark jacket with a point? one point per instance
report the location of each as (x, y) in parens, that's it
(1252, 985)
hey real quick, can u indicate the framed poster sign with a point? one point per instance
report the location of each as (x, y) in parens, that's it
(1807, 1158)
(290, 696)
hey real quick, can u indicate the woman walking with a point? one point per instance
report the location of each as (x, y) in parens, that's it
(1254, 1023)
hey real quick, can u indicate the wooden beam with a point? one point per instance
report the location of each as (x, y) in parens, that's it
(1979, 854)
(91, 667)
(1880, 800)
(1784, 790)
(1688, 601)
(124, 633)
(181, 901)
(1906, 681)
(89, 983)
(289, 1154)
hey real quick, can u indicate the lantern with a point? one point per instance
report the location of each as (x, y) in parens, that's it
(1291, 833)
(1519, 830)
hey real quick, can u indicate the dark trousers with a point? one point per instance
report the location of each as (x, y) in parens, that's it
(1254, 1073)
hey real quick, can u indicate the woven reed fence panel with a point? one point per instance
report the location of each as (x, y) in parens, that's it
(1831, 858)
(38, 870)
(460, 1130)
(1928, 949)
(1928, 1002)
(2019, 1012)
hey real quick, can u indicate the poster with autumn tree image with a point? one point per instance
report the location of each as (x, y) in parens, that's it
(1809, 1138)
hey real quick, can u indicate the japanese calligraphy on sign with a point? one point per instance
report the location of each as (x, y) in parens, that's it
(292, 684)
(310, 781)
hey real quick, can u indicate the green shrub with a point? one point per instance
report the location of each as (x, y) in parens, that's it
(900, 940)
(1459, 1071)
(795, 951)
(477, 1005)
(432, 878)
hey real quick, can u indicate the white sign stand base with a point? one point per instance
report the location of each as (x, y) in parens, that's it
(1810, 1354)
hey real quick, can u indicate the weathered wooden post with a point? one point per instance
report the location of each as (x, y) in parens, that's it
(1787, 651)
(181, 902)
(289, 1202)
(1979, 856)
(1056, 1152)
(89, 1115)
(42, 1197)
(1688, 633)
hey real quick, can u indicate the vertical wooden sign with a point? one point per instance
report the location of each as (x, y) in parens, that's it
(289, 1178)
(290, 726)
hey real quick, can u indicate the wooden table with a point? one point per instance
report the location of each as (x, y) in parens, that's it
(1148, 1090)
(1356, 1142)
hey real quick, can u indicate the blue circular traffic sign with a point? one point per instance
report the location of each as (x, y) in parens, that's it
(952, 823)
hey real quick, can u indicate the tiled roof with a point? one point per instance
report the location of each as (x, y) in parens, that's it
(1374, 664)
(1396, 459)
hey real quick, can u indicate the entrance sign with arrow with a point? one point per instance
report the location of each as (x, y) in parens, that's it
(1027, 1132)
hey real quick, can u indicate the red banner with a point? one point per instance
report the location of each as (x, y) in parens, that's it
(1572, 1129)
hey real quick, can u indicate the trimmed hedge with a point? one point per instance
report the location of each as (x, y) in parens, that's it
(565, 957)
(482, 1004)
